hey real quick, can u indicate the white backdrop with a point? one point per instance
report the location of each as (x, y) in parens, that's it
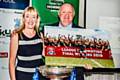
(9, 20)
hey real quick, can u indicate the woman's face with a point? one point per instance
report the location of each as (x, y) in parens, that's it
(30, 19)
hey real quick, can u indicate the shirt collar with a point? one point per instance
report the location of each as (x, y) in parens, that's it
(68, 26)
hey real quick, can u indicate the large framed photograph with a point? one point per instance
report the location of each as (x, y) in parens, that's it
(77, 47)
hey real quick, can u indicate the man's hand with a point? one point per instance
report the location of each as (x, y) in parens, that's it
(88, 66)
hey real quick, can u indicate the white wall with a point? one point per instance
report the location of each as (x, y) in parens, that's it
(81, 13)
(97, 8)
(103, 8)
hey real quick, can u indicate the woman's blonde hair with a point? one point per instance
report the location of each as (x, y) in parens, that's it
(22, 26)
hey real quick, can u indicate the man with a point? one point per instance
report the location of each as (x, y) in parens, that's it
(66, 15)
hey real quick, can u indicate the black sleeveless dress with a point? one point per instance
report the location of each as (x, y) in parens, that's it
(29, 56)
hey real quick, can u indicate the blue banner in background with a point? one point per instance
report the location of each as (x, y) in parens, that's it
(14, 4)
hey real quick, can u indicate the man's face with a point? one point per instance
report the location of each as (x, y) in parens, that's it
(66, 14)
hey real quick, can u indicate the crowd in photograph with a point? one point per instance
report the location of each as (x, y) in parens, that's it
(80, 41)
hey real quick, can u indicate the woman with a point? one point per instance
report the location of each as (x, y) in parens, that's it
(26, 46)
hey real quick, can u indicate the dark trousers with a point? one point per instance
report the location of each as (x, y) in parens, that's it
(79, 73)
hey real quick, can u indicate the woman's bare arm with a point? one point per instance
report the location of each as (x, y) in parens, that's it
(13, 52)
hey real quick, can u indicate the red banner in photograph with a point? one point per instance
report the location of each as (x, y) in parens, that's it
(77, 53)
